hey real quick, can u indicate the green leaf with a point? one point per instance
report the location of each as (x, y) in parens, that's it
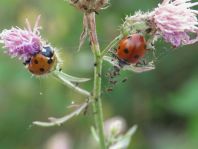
(64, 76)
(94, 133)
(132, 67)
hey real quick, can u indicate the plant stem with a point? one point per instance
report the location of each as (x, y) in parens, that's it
(111, 45)
(97, 103)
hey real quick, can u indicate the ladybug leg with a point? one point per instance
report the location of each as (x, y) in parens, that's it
(122, 63)
(138, 64)
(26, 62)
(143, 62)
(115, 49)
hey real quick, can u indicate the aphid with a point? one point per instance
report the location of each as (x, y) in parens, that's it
(43, 62)
(113, 82)
(131, 49)
(124, 80)
(110, 89)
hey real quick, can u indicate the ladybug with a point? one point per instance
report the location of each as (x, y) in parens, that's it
(43, 62)
(131, 49)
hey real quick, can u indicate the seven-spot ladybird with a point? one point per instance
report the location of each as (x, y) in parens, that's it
(131, 49)
(42, 62)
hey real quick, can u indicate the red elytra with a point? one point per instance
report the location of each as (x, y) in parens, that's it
(131, 48)
(43, 62)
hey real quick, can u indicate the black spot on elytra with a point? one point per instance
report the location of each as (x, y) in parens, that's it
(42, 69)
(126, 51)
(50, 61)
(136, 56)
(36, 61)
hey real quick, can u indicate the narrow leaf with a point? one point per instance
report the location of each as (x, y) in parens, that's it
(94, 133)
(58, 121)
(66, 80)
(67, 77)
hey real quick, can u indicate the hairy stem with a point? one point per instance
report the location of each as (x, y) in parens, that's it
(97, 103)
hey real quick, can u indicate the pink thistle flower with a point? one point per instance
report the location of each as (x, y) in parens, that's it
(22, 43)
(176, 22)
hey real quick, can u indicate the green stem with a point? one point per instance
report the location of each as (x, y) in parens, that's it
(111, 45)
(97, 103)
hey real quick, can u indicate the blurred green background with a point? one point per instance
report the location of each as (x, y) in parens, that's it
(163, 102)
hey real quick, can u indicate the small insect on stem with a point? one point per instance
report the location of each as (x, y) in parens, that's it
(107, 74)
(76, 84)
(60, 69)
(110, 89)
(95, 64)
(87, 107)
(96, 99)
(99, 75)
(148, 30)
(124, 80)
(113, 82)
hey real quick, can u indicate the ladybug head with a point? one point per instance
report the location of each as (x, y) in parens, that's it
(47, 51)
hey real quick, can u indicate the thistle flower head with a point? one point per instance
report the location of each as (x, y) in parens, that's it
(176, 21)
(22, 43)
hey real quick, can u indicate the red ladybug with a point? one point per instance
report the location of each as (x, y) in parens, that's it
(131, 49)
(42, 62)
